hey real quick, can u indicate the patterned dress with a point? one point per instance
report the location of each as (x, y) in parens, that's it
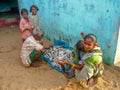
(29, 45)
(35, 20)
(25, 24)
(93, 66)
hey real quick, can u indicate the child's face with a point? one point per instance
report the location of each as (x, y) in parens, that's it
(34, 11)
(88, 44)
(25, 15)
(27, 33)
(38, 37)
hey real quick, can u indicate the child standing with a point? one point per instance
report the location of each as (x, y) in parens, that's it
(32, 49)
(25, 23)
(34, 17)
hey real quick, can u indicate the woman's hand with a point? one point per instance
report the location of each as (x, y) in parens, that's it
(79, 66)
(61, 62)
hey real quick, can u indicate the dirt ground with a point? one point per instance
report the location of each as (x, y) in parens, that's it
(13, 76)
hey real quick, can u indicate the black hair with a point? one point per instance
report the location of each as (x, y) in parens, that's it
(79, 45)
(24, 10)
(92, 36)
(34, 7)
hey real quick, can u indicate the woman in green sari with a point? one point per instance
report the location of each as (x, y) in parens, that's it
(89, 65)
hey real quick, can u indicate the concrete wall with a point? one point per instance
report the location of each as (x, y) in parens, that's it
(65, 19)
(117, 55)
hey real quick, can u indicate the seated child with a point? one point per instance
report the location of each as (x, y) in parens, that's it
(31, 48)
(39, 30)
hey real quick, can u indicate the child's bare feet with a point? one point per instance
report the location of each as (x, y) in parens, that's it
(35, 64)
(90, 81)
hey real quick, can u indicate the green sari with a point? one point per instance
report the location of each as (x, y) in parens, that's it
(93, 66)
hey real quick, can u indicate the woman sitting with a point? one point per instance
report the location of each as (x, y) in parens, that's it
(89, 64)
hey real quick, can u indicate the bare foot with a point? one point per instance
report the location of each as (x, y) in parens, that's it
(35, 64)
(90, 81)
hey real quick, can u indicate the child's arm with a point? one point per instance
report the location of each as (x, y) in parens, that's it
(31, 24)
(79, 66)
(39, 21)
(41, 42)
(39, 53)
(21, 26)
(82, 34)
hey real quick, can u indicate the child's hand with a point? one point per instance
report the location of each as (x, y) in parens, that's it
(48, 47)
(82, 34)
(41, 42)
(43, 50)
(33, 28)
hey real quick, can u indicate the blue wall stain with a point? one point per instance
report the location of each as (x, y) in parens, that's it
(89, 7)
(65, 19)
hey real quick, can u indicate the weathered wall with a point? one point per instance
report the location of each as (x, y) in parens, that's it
(65, 19)
(117, 55)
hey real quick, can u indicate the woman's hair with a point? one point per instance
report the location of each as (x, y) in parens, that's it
(92, 36)
(34, 7)
(38, 32)
(24, 10)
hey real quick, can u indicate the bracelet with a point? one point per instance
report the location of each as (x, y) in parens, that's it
(73, 65)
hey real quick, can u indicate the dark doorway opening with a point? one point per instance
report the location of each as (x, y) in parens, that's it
(9, 13)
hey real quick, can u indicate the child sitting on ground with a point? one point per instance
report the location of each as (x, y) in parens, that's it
(31, 48)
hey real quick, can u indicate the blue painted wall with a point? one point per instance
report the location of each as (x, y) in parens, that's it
(65, 19)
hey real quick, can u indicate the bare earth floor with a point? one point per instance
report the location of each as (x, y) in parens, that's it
(13, 76)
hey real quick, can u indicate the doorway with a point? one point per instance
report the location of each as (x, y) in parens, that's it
(9, 13)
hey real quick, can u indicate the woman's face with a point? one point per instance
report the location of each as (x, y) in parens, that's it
(88, 44)
(34, 11)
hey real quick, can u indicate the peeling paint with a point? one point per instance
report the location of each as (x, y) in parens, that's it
(65, 19)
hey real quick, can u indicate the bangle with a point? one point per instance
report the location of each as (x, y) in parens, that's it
(73, 65)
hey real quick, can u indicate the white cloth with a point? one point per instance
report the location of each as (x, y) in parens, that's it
(87, 55)
(28, 46)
